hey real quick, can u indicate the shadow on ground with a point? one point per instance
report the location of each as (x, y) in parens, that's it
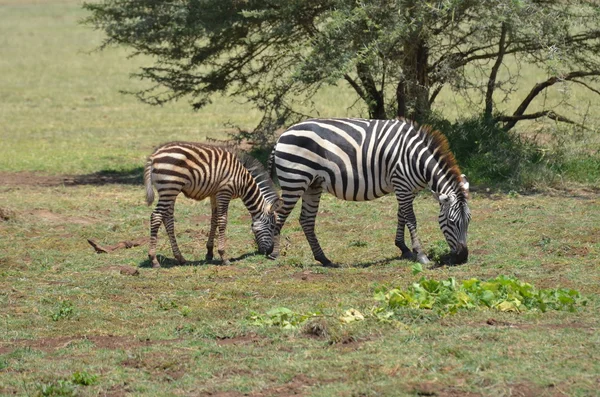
(172, 262)
(105, 177)
(133, 176)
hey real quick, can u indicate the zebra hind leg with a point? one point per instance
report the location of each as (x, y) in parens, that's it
(169, 222)
(308, 215)
(155, 222)
(210, 244)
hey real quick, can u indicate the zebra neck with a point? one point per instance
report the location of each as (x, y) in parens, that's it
(253, 198)
(443, 183)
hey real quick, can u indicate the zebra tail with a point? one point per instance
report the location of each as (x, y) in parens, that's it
(271, 165)
(148, 182)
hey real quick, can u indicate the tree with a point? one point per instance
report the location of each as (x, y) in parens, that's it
(397, 55)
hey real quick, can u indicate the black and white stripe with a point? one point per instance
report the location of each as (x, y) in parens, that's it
(360, 160)
(200, 171)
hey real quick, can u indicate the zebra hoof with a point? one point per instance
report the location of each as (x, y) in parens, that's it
(154, 261)
(422, 259)
(272, 256)
(408, 256)
(326, 262)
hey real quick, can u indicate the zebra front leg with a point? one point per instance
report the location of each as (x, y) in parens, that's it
(222, 201)
(308, 215)
(289, 202)
(210, 244)
(406, 214)
(399, 241)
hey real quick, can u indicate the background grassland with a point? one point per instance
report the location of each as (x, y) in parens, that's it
(185, 330)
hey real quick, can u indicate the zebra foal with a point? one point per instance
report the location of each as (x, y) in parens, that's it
(361, 160)
(200, 171)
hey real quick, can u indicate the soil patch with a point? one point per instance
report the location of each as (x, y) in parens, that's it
(100, 342)
(238, 340)
(572, 325)
(308, 275)
(298, 386)
(26, 178)
(161, 365)
(51, 217)
(29, 179)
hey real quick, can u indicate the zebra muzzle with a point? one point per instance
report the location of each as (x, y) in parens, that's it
(461, 256)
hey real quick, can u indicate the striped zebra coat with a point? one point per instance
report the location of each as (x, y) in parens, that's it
(202, 171)
(360, 160)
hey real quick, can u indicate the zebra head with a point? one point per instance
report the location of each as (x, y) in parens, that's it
(454, 220)
(263, 226)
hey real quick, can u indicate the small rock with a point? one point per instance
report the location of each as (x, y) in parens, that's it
(129, 271)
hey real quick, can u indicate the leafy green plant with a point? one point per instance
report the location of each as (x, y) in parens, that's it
(58, 388)
(165, 304)
(490, 155)
(65, 310)
(84, 378)
(502, 293)
(281, 317)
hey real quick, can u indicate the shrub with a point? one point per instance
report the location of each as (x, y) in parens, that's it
(488, 155)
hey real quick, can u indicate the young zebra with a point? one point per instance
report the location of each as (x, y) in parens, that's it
(201, 171)
(360, 160)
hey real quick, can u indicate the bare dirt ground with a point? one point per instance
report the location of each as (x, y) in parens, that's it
(26, 178)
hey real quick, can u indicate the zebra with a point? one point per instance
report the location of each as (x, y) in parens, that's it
(200, 171)
(360, 160)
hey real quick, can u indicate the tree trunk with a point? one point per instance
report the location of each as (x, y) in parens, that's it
(372, 96)
(412, 92)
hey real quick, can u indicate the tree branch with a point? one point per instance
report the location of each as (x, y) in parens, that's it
(532, 116)
(357, 88)
(491, 85)
(435, 93)
(586, 86)
(539, 88)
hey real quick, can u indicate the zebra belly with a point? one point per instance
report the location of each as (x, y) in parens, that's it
(296, 176)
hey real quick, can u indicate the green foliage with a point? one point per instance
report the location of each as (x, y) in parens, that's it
(581, 168)
(506, 294)
(58, 388)
(84, 378)
(395, 55)
(438, 251)
(490, 156)
(281, 317)
(64, 310)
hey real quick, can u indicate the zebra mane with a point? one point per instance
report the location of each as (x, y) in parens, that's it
(260, 175)
(438, 144)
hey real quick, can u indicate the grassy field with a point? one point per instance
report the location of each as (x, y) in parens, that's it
(73, 322)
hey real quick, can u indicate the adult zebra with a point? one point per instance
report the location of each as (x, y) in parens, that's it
(360, 160)
(200, 171)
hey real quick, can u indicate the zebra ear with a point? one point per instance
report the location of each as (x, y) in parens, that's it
(443, 198)
(276, 206)
(464, 182)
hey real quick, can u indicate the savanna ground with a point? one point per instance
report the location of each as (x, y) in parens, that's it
(74, 322)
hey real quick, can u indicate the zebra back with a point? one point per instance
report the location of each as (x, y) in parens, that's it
(215, 161)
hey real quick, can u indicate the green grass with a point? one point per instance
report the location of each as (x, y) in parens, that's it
(188, 329)
(72, 324)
